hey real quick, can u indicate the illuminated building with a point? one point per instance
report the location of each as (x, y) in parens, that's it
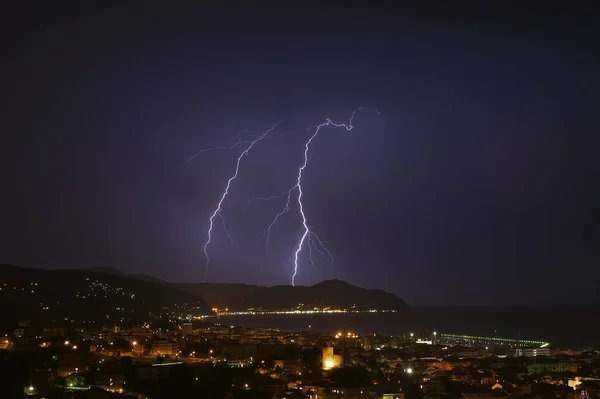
(328, 391)
(532, 352)
(549, 365)
(330, 360)
(164, 347)
(138, 349)
(187, 329)
(397, 395)
(239, 363)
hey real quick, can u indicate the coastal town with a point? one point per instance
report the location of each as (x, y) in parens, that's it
(209, 360)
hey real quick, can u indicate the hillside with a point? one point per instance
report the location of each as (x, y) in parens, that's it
(101, 295)
(220, 295)
(335, 294)
(331, 293)
(143, 277)
(88, 296)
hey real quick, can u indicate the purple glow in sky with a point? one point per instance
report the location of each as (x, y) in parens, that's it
(481, 170)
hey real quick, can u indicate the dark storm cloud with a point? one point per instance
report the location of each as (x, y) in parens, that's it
(480, 170)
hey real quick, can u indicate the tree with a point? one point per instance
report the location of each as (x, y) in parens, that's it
(278, 370)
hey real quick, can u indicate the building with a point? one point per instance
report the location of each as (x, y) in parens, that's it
(138, 350)
(24, 329)
(330, 360)
(54, 333)
(397, 395)
(164, 347)
(476, 392)
(239, 363)
(549, 365)
(488, 378)
(186, 329)
(532, 352)
(327, 391)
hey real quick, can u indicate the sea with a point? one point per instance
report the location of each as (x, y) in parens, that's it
(573, 327)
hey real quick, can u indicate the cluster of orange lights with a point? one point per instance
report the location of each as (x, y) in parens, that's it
(348, 335)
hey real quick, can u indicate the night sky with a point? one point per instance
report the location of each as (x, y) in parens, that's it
(477, 182)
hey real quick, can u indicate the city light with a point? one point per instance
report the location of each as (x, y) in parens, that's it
(502, 341)
(166, 345)
(329, 364)
(249, 312)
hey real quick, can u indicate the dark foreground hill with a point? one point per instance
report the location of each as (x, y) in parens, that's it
(88, 297)
(335, 294)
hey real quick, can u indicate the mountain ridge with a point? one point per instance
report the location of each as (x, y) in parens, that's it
(240, 296)
(82, 296)
(333, 293)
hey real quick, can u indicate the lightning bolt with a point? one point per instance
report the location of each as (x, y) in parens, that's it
(306, 237)
(285, 210)
(226, 230)
(263, 199)
(239, 141)
(219, 208)
(306, 234)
